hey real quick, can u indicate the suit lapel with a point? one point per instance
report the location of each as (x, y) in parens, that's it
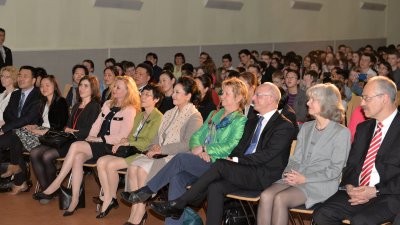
(391, 135)
(267, 127)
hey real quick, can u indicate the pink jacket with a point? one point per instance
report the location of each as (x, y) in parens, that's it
(120, 127)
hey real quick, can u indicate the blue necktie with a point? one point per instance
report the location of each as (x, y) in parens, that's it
(21, 103)
(256, 136)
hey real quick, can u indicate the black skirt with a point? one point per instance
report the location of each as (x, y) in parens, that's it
(99, 149)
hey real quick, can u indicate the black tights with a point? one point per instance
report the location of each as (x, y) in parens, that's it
(42, 158)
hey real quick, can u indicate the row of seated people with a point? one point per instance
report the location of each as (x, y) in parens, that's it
(357, 182)
(266, 95)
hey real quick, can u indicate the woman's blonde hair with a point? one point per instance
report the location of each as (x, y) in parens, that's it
(239, 89)
(13, 73)
(329, 99)
(132, 98)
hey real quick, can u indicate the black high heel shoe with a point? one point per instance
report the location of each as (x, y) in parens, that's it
(40, 196)
(69, 213)
(114, 204)
(144, 218)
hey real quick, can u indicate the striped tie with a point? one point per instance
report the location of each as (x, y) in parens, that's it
(371, 155)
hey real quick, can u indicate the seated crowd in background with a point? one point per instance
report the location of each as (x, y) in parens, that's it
(251, 115)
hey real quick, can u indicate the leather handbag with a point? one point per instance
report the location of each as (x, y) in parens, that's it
(56, 139)
(65, 197)
(123, 151)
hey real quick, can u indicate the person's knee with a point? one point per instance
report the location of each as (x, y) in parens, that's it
(141, 172)
(102, 163)
(266, 196)
(320, 215)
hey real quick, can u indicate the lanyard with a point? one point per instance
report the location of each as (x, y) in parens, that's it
(76, 117)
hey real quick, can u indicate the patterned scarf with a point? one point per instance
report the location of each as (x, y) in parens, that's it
(172, 122)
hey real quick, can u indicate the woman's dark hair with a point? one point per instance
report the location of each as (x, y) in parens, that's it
(157, 93)
(206, 82)
(56, 94)
(180, 54)
(284, 98)
(40, 71)
(79, 66)
(94, 86)
(113, 69)
(168, 67)
(190, 87)
(233, 73)
(169, 73)
(110, 60)
(389, 68)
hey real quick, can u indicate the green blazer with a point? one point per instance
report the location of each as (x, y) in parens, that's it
(147, 133)
(225, 138)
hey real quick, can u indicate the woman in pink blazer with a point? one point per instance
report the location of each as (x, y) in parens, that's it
(113, 123)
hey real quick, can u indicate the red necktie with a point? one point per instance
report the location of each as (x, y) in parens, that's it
(371, 155)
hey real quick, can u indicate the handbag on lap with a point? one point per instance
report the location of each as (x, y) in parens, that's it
(56, 139)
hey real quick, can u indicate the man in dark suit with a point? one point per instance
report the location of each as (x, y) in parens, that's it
(22, 109)
(5, 54)
(257, 161)
(370, 187)
(153, 58)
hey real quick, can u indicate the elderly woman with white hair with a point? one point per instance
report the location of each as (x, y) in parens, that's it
(313, 172)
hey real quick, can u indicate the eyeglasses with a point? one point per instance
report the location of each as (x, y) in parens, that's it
(368, 99)
(5, 76)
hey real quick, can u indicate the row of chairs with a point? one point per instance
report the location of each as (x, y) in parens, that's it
(297, 215)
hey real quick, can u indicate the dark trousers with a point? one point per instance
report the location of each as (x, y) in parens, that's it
(337, 208)
(11, 141)
(222, 178)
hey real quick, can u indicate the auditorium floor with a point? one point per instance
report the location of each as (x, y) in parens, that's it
(23, 210)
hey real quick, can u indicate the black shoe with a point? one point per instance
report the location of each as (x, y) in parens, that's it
(97, 200)
(68, 213)
(40, 196)
(167, 209)
(135, 196)
(144, 218)
(114, 204)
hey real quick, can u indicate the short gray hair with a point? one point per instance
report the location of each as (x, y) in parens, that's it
(330, 100)
(274, 90)
(385, 86)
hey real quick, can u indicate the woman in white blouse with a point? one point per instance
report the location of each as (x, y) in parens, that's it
(9, 75)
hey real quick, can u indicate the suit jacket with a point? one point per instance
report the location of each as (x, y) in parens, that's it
(273, 149)
(300, 106)
(9, 60)
(252, 113)
(121, 124)
(85, 120)
(30, 113)
(387, 160)
(58, 114)
(320, 162)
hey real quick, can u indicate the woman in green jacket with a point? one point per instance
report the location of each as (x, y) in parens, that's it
(145, 128)
(216, 138)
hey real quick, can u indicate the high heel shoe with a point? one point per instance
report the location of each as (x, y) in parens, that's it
(114, 204)
(144, 218)
(69, 213)
(40, 196)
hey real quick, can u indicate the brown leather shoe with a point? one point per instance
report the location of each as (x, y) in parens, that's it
(17, 189)
(11, 170)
